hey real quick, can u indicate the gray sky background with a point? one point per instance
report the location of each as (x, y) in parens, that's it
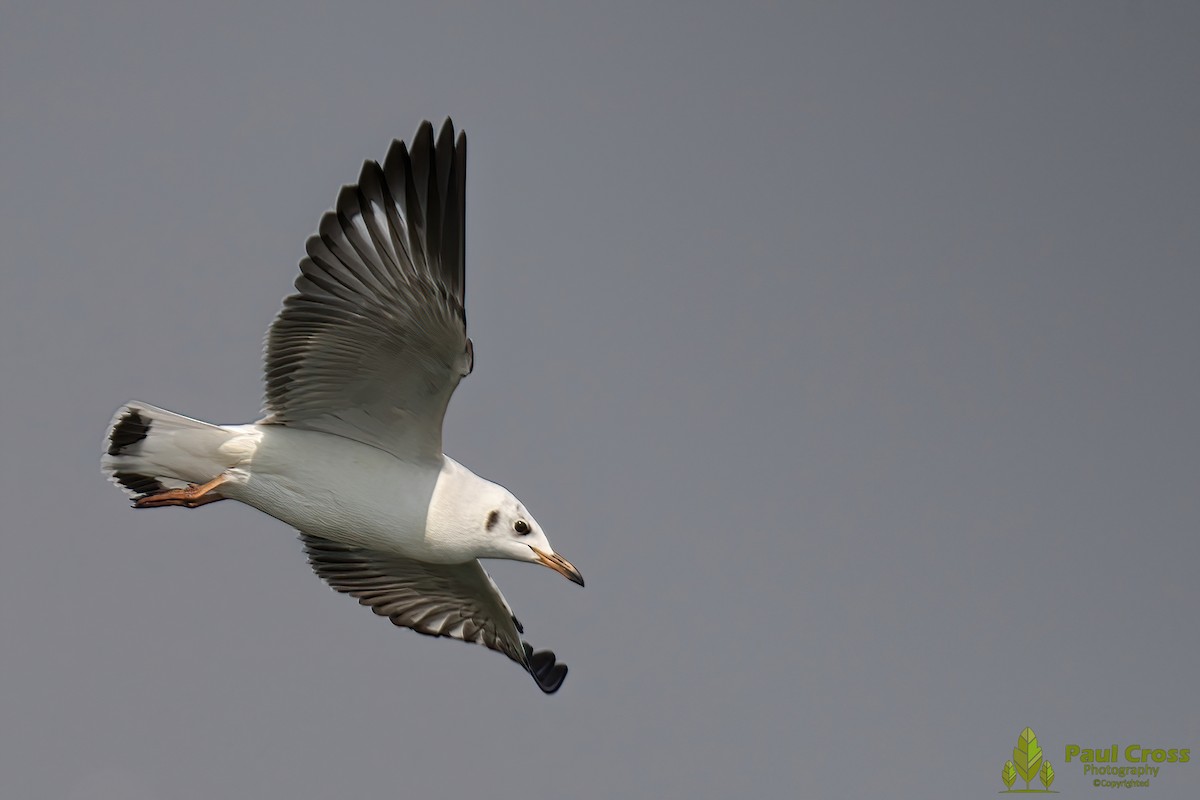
(849, 350)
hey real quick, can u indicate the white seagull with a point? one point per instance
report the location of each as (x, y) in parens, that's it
(360, 365)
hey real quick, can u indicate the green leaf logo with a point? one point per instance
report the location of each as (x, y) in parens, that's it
(1008, 774)
(1027, 763)
(1027, 756)
(1047, 775)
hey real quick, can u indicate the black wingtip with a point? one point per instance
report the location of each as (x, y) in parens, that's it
(141, 485)
(445, 137)
(422, 141)
(424, 137)
(396, 153)
(130, 429)
(547, 673)
(347, 199)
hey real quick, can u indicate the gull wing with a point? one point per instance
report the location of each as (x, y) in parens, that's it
(374, 342)
(456, 600)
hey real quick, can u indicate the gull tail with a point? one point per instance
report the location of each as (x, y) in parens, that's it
(149, 450)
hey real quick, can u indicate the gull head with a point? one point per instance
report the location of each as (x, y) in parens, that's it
(470, 517)
(506, 530)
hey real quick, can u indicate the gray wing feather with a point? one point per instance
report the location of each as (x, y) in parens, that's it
(374, 342)
(459, 601)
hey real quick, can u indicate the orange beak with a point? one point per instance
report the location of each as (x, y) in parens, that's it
(559, 564)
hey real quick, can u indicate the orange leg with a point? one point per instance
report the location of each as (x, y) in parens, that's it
(191, 497)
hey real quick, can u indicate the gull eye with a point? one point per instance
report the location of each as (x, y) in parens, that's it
(521, 527)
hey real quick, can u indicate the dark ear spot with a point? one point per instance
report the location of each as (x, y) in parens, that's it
(492, 519)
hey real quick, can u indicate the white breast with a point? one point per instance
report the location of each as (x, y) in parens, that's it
(336, 488)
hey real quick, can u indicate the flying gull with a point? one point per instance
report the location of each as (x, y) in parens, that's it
(360, 365)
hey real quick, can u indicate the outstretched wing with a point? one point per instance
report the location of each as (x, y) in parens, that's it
(375, 341)
(456, 600)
